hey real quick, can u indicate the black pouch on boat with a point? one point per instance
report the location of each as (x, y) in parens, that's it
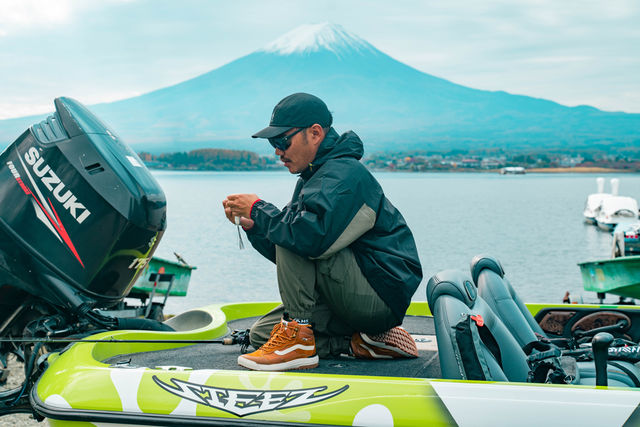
(470, 337)
(544, 364)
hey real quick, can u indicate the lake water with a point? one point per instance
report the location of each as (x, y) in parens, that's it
(532, 223)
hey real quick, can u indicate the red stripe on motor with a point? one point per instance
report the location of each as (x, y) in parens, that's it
(24, 187)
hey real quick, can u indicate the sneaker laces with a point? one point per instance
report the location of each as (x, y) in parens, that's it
(279, 336)
(275, 329)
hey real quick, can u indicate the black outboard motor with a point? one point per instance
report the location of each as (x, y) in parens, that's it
(80, 216)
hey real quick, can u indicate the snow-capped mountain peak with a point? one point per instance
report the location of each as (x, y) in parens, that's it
(315, 37)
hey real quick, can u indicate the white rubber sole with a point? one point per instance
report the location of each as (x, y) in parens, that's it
(302, 363)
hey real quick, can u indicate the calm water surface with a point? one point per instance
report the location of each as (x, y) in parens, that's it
(532, 223)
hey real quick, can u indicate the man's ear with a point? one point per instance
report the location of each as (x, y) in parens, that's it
(316, 133)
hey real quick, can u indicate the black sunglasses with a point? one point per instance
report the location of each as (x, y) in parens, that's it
(281, 142)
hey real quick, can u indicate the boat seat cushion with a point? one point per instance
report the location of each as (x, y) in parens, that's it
(451, 300)
(497, 291)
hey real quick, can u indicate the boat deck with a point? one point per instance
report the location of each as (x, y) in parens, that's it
(216, 356)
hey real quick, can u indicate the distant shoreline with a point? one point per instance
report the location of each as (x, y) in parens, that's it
(579, 170)
(217, 159)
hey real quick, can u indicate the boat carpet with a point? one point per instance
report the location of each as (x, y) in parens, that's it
(216, 356)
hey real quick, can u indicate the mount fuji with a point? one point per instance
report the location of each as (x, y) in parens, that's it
(392, 106)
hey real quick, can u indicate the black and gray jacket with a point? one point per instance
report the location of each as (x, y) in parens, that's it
(338, 203)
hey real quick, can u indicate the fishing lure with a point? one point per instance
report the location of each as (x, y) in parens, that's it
(240, 242)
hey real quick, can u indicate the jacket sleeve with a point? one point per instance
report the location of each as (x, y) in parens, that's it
(330, 215)
(261, 244)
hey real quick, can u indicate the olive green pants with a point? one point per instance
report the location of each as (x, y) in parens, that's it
(332, 293)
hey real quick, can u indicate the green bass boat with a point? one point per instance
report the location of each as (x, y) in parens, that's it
(159, 380)
(201, 384)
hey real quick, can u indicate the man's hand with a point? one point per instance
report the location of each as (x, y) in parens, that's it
(240, 205)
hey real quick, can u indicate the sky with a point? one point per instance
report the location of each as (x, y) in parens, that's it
(572, 52)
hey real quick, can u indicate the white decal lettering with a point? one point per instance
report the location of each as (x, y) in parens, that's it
(54, 184)
(246, 402)
(58, 190)
(83, 216)
(50, 180)
(42, 171)
(31, 155)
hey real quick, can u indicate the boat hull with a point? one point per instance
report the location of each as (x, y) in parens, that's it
(163, 274)
(362, 402)
(78, 387)
(619, 276)
(605, 226)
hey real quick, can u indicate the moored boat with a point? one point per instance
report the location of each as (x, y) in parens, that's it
(618, 276)
(159, 278)
(615, 210)
(594, 202)
(512, 170)
(626, 239)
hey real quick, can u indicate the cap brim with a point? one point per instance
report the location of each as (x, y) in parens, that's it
(271, 131)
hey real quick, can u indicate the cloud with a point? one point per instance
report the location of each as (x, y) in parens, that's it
(26, 13)
(23, 15)
(21, 107)
(557, 59)
(572, 52)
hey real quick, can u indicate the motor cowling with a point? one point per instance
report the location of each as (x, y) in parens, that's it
(80, 214)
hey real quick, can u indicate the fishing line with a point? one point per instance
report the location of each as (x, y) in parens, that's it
(238, 336)
(224, 341)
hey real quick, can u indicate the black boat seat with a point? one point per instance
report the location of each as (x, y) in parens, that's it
(499, 294)
(452, 298)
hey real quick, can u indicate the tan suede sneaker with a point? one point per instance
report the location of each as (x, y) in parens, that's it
(392, 344)
(291, 346)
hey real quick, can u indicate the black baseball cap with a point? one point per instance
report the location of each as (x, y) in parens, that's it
(299, 110)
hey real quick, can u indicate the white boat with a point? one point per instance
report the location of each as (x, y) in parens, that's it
(626, 239)
(512, 170)
(594, 201)
(615, 210)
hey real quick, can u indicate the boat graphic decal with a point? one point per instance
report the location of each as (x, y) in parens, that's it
(44, 209)
(242, 402)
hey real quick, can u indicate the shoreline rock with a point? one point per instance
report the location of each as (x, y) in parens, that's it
(16, 377)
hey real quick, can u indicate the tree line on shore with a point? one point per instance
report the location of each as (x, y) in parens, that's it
(457, 160)
(208, 159)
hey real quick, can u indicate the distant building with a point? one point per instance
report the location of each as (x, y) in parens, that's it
(490, 163)
(570, 162)
(470, 163)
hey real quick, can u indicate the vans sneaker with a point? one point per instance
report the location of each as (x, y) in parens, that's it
(394, 343)
(291, 346)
